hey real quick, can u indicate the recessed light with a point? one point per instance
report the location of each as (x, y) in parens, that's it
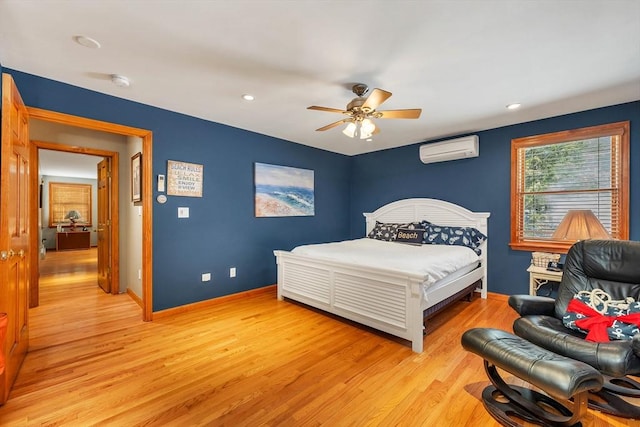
(369, 139)
(248, 97)
(120, 81)
(513, 106)
(87, 42)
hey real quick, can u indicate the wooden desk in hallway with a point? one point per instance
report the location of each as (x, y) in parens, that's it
(68, 240)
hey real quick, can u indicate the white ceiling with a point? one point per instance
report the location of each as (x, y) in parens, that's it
(58, 163)
(460, 61)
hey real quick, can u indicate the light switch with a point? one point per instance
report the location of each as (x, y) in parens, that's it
(183, 212)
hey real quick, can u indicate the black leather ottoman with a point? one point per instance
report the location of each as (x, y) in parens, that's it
(565, 381)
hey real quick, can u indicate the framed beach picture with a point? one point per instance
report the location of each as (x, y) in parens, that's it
(283, 191)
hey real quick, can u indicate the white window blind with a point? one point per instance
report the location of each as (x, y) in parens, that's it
(564, 176)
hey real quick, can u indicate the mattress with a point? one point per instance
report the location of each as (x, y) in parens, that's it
(432, 262)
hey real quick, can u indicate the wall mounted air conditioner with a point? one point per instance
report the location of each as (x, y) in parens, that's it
(453, 149)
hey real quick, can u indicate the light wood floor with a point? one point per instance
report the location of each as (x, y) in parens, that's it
(250, 362)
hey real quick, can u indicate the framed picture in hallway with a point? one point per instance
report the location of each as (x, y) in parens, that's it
(136, 178)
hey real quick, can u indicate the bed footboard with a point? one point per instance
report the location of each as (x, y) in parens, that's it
(385, 300)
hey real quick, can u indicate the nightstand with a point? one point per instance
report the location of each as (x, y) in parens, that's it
(539, 276)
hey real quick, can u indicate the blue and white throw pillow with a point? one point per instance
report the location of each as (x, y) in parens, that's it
(459, 236)
(423, 224)
(624, 329)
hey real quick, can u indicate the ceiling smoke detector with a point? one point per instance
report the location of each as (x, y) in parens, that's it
(120, 81)
(87, 42)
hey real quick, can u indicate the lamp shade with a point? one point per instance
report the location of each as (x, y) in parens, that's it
(580, 225)
(362, 129)
(350, 130)
(73, 216)
(367, 129)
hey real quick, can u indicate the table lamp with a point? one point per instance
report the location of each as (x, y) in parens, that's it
(73, 216)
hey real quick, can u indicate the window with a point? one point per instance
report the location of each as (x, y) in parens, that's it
(551, 174)
(69, 204)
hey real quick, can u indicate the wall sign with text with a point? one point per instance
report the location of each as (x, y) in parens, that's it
(184, 179)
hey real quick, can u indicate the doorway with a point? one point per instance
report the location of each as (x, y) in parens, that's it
(79, 180)
(145, 272)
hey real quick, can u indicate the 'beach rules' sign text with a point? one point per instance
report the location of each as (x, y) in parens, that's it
(184, 179)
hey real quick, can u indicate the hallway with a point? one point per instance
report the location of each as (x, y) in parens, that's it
(72, 306)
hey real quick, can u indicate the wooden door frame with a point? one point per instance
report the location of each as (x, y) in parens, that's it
(36, 145)
(147, 191)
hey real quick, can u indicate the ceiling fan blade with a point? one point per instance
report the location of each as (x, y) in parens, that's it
(334, 124)
(377, 97)
(401, 114)
(331, 110)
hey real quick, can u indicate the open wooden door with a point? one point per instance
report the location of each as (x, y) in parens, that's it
(104, 224)
(14, 232)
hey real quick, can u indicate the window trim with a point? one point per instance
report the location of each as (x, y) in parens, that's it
(620, 129)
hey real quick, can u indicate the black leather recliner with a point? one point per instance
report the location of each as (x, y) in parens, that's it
(610, 265)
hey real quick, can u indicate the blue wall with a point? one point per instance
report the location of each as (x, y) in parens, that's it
(222, 231)
(480, 184)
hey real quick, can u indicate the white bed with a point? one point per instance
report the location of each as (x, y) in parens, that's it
(385, 298)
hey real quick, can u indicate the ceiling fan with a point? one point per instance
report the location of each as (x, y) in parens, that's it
(361, 110)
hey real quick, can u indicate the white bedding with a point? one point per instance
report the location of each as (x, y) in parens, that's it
(433, 262)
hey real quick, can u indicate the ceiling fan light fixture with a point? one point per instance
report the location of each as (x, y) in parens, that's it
(361, 129)
(361, 110)
(350, 130)
(367, 128)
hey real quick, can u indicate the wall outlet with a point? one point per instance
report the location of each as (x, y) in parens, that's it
(139, 274)
(232, 272)
(206, 277)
